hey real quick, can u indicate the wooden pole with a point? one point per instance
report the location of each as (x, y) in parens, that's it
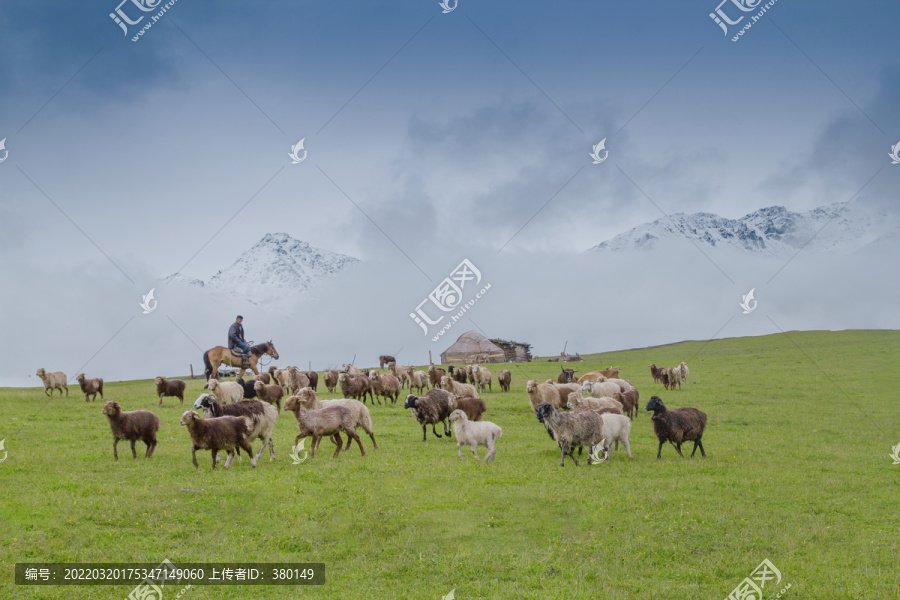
(429, 358)
(192, 370)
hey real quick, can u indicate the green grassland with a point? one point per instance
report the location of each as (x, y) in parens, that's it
(797, 471)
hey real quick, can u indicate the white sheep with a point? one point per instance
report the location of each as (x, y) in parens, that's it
(474, 434)
(616, 428)
(53, 381)
(684, 371)
(599, 389)
(226, 391)
(576, 401)
(419, 381)
(622, 383)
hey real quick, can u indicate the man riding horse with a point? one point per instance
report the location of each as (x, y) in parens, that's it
(236, 340)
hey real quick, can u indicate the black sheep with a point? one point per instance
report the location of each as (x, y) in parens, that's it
(677, 426)
(249, 389)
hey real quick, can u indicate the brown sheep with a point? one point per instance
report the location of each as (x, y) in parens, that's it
(459, 375)
(313, 380)
(175, 388)
(218, 433)
(326, 422)
(331, 379)
(434, 376)
(592, 376)
(629, 402)
(269, 393)
(361, 417)
(355, 386)
(504, 378)
(90, 387)
(473, 407)
(385, 359)
(264, 377)
(132, 426)
(654, 372)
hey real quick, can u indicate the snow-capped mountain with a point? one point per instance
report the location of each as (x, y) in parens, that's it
(773, 231)
(276, 267)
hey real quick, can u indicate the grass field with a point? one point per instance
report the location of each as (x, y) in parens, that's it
(797, 471)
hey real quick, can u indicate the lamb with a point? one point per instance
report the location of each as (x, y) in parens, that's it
(571, 429)
(90, 387)
(350, 369)
(474, 434)
(616, 428)
(270, 393)
(419, 381)
(482, 377)
(470, 373)
(331, 379)
(629, 402)
(684, 371)
(458, 389)
(431, 408)
(249, 387)
(313, 380)
(227, 391)
(677, 426)
(385, 359)
(355, 386)
(55, 380)
(261, 414)
(504, 378)
(387, 386)
(175, 388)
(132, 426)
(326, 422)
(541, 392)
(473, 407)
(434, 376)
(218, 433)
(574, 401)
(309, 399)
(599, 389)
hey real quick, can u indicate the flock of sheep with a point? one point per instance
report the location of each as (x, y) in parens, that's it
(593, 411)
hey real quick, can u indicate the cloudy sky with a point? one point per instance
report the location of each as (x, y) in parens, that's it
(431, 137)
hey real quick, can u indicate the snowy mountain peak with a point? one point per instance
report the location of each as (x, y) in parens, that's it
(275, 267)
(773, 230)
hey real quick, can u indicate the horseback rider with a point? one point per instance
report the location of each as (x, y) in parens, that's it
(236, 340)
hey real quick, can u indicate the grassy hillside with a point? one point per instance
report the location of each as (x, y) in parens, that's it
(800, 428)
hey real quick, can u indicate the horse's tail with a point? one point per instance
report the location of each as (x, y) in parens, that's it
(207, 364)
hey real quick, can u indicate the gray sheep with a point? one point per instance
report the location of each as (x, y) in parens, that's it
(218, 433)
(572, 429)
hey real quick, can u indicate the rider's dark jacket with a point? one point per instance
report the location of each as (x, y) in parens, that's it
(235, 335)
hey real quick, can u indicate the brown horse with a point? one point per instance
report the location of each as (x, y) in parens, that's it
(213, 357)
